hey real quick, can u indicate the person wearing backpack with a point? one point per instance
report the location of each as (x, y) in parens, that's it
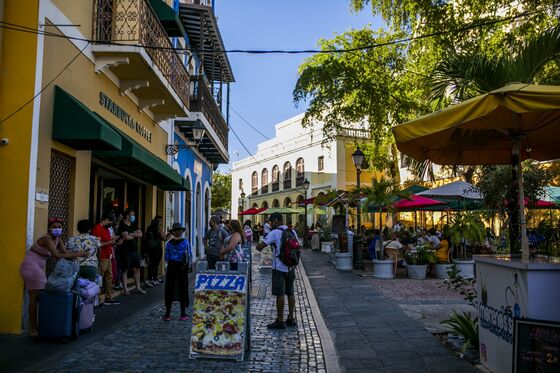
(214, 241)
(286, 251)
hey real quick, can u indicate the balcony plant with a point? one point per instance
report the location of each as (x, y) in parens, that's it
(466, 227)
(417, 262)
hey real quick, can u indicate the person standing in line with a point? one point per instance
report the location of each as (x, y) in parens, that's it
(248, 231)
(282, 276)
(178, 256)
(130, 260)
(33, 267)
(102, 232)
(115, 259)
(231, 250)
(155, 236)
(214, 241)
(88, 243)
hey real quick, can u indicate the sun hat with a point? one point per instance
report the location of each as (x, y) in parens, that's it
(177, 226)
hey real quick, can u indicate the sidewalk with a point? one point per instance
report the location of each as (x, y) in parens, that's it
(146, 343)
(370, 331)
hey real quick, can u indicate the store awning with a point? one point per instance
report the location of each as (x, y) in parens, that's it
(75, 125)
(168, 18)
(139, 162)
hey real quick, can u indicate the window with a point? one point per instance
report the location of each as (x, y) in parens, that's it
(300, 172)
(321, 165)
(275, 178)
(275, 204)
(240, 184)
(287, 175)
(264, 181)
(255, 183)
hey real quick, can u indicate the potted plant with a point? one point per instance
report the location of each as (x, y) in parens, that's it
(379, 196)
(417, 262)
(466, 227)
(326, 239)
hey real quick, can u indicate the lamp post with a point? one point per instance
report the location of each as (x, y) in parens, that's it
(305, 229)
(241, 202)
(358, 158)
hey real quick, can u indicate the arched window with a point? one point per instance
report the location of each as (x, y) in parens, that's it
(264, 181)
(300, 172)
(275, 204)
(287, 175)
(288, 217)
(255, 183)
(275, 179)
(264, 205)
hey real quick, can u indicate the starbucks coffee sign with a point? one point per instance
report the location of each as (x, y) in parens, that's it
(126, 118)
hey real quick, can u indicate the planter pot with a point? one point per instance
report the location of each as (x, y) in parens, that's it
(326, 246)
(441, 270)
(343, 261)
(417, 272)
(383, 268)
(465, 267)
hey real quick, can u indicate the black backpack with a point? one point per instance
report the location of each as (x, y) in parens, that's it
(290, 249)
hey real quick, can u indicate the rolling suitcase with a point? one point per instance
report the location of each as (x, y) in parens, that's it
(58, 315)
(87, 317)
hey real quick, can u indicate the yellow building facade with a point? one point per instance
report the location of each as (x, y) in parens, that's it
(92, 140)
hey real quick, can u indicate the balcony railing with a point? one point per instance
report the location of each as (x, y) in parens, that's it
(134, 22)
(203, 101)
(207, 3)
(356, 133)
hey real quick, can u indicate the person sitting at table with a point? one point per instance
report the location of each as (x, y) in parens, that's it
(392, 250)
(442, 252)
(433, 239)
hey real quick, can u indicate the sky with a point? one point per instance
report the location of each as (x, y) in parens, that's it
(262, 92)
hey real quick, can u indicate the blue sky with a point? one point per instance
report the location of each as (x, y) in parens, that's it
(262, 93)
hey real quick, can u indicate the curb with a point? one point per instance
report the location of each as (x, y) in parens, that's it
(330, 355)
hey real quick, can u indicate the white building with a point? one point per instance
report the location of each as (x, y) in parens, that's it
(274, 176)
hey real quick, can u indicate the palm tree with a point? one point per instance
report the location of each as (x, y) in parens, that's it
(380, 195)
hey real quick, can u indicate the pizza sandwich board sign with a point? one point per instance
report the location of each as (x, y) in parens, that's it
(219, 321)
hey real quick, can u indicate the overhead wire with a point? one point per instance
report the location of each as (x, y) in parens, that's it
(250, 125)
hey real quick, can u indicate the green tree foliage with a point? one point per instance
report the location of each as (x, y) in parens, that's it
(221, 190)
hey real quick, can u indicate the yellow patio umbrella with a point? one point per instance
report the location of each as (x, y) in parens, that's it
(508, 125)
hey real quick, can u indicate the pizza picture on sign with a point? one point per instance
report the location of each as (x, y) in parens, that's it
(218, 322)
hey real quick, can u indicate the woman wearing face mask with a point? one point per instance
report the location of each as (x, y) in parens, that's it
(130, 260)
(32, 269)
(178, 256)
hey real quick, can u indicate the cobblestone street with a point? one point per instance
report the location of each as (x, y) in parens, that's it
(146, 343)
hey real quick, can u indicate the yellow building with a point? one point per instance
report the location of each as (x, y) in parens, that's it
(92, 139)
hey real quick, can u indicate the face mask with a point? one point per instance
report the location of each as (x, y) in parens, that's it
(56, 232)
(132, 218)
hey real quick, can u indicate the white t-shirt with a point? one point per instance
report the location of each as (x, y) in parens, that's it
(274, 239)
(266, 229)
(392, 244)
(434, 241)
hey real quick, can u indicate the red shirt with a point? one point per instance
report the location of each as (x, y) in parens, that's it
(104, 235)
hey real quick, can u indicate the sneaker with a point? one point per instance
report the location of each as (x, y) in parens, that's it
(117, 287)
(112, 301)
(184, 318)
(166, 318)
(277, 324)
(291, 322)
(149, 284)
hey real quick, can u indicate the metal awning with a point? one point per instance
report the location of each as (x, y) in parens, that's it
(168, 18)
(208, 147)
(75, 125)
(202, 28)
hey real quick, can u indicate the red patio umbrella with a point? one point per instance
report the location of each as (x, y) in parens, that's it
(416, 202)
(251, 211)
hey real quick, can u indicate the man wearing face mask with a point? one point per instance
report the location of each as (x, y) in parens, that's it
(102, 232)
(130, 260)
(214, 241)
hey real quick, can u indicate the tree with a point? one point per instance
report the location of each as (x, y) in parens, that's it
(364, 87)
(221, 191)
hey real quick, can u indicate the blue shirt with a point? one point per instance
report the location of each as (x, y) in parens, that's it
(178, 250)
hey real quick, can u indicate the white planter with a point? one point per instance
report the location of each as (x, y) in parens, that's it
(383, 268)
(326, 246)
(344, 261)
(417, 272)
(465, 267)
(441, 270)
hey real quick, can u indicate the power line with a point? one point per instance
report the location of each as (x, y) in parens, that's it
(16, 27)
(46, 85)
(250, 125)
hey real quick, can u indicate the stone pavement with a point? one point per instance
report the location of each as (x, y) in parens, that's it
(371, 333)
(146, 343)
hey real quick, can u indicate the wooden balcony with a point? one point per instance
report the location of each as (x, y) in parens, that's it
(131, 42)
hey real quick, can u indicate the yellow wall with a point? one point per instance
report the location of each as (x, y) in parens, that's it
(79, 13)
(17, 80)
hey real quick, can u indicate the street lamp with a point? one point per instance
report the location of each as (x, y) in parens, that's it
(241, 202)
(358, 159)
(305, 231)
